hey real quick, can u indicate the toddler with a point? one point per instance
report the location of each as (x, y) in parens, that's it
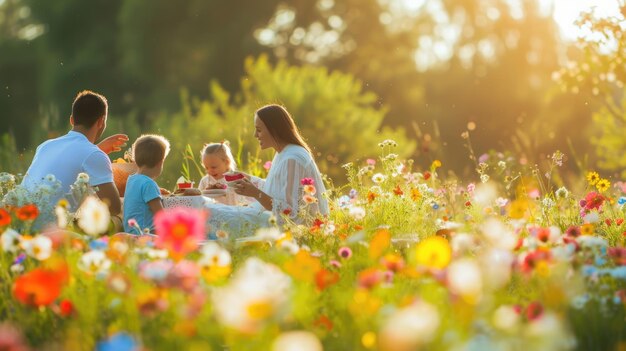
(143, 196)
(217, 159)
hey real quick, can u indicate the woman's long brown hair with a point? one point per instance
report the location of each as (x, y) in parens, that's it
(281, 126)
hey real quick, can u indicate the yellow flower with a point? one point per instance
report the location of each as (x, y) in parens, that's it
(518, 209)
(434, 252)
(436, 164)
(593, 177)
(415, 194)
(369, 340)
(603, 185)
(586, 229)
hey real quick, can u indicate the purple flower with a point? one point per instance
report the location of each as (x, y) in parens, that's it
(345, 252)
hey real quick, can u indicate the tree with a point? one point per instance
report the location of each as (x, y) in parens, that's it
(333, 111)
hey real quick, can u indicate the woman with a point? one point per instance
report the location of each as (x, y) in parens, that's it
(282, 193)
(283, 190)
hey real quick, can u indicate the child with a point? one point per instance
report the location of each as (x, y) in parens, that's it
(143, 197)
(217, 159)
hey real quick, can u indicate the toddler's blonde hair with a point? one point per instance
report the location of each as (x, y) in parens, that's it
(222, 150)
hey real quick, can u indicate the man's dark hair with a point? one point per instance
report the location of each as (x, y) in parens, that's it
(88, 107)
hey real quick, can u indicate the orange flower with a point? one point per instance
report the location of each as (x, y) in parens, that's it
(27, 212)
(371, 196)
(179, 230)
(324, 279)
(41, 286)
(303, 266)
(380, 243)
(415, 194)
(325, 322)
(5, 217)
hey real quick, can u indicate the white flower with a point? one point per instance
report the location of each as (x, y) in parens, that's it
(465, 279)
(328, 228)
(411, 326)
(498, 234)
(10, 240)
(290, 246)
(547, 202)
(50, 178)
(356, 212)
(501, 202)
(561, 193)
(62, 217)
(378, 178)
(505, 318)
(39, 247)
(258, 291)
(501, 164)
(297, 341)
(17, 268)
(94, 216)
(484, 178)
(94, 262)
(592, 217)
(270, 234)
(82, 178)
(214, 255)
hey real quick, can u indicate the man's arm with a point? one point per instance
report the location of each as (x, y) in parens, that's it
(107, 192)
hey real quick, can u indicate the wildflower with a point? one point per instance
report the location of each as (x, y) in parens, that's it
(370, 162)
(297, 340)
(378, 178)
(5, 217)
(393, 262)
(215, 263)
(118, 283)
(561, 193)
(415, 194)
(398, 191)
(41, 286)
(40, 247)
(534, 310)
(356, 212)
(307, 181)
(369, 340)
(345, 252)
(267, 165)
(427, 175)
(603, 185)
(501, 164)
(62, 217)
(587, 229)
(94, 216)
(369, 278)
(309, 199)
(66, 308)
(592, 178)
(505, 318)
(257, 292)
(95, 263)
(411, 327)
(82, 178)
(118, 341)
(573, 231)
(484, 178)
(465, 279)
(303, 266)
(309, 189)
(27, 212)
(621, 200)
(379, 243)
(325, 278)
(434, 252)
(10, 240)
(179, 230)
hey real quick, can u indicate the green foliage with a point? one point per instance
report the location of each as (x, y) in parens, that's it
(609, 140)
(333, 111)
(12, 160)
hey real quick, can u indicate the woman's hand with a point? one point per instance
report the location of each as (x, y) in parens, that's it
(113, 143)
(245, 187)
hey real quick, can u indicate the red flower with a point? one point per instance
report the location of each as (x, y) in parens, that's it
(543, 234)
(534, 311)
(66, 308)
(325, 322)
(5, 217)
(573, 231)
(619, 221)
(317, 224)
(426, 175)
(369, 278)
(287, 211)
(398, 191)
(307, 181)
(27, 212)
(40, 287)
(179, 230)
(324, 278)
(618, 254)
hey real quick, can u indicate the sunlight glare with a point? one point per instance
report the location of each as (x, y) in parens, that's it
(567, 11)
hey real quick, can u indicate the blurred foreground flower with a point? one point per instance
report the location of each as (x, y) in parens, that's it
(94, 216)
(434, 252)
(41, 286)
(297, 341)
(410, 328)
(257, 292)
(179, 230)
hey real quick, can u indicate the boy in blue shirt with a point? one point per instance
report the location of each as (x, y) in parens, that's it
(142, 199)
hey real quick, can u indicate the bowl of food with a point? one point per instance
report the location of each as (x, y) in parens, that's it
(231, 177)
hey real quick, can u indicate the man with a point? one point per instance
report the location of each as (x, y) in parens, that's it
(67, 156)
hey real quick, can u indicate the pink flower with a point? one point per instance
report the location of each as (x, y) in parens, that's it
(345, 252)
(371, 162)
(307, 181)
(179, 230)
(267, 165)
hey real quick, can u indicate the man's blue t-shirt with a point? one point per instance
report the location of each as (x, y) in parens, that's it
(140, 190)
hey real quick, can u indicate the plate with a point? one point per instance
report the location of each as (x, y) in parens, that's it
(214, 192)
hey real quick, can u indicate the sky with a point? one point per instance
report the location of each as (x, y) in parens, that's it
(566, 12)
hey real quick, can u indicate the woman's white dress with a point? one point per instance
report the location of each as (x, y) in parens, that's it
(284, 185)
